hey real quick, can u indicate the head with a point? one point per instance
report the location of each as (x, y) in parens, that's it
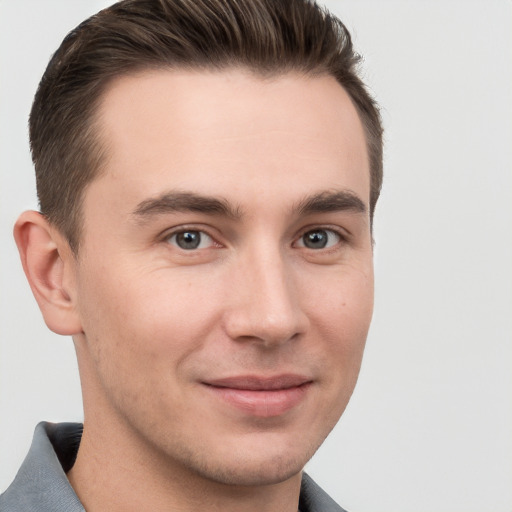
(267, 37)
(207, 173)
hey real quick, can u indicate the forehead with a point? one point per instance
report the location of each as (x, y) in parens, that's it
(229, 132)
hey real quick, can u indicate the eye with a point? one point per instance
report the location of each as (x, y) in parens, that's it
(191, 239)
(319, 239)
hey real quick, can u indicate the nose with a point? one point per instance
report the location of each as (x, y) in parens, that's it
(265, 305)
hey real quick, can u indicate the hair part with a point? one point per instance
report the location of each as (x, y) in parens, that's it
(268, 37)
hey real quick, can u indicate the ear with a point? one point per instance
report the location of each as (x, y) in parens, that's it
(49, 265)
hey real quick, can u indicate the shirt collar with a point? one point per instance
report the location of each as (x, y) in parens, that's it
(41, 483)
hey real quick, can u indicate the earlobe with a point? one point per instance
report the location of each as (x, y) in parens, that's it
(48, 264)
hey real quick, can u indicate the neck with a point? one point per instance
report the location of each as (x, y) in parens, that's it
(114, 472)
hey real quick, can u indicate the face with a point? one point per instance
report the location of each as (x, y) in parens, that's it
(224, 279)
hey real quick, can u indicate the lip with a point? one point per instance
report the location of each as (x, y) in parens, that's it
(263, 397)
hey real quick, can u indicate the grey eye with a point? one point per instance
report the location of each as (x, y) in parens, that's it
(319, 239)
(190, 240)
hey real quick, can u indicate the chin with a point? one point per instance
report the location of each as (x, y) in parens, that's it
(250, 473)
(250, 467)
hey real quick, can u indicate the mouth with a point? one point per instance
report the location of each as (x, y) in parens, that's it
(263, 397)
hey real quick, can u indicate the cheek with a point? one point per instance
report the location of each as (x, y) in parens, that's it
(140, 337)
(340, 317)
(343, 303)
(143, 323)
(342, 313)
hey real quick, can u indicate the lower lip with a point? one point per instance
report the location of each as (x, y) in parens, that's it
(262, 403)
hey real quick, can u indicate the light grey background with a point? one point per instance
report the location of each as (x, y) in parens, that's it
(429, 427)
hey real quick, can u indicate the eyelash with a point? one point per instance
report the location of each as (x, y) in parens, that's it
(341, 237)
(192, 229)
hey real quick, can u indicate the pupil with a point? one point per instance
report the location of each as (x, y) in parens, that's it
(188, 239)
(315, 239)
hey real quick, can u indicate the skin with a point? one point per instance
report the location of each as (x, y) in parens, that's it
(155, 324)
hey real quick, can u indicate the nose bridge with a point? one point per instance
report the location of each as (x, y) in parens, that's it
(266, 306)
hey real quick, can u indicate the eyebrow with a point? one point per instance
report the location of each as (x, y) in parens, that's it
(332, 201)
(171, 202)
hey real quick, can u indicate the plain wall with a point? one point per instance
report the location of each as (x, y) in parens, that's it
(429, 427)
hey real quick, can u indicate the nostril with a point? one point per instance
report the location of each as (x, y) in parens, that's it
(251, 325)
(264, 304)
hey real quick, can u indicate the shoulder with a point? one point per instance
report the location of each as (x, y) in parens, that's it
(314, 499)
(41, 484)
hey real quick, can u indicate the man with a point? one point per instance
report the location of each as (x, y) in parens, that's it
(207, 173)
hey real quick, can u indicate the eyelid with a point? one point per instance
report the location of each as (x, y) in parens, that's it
(170, 232)
(343, 234)
(330, 245)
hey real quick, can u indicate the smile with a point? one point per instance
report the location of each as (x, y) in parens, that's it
(261, 397)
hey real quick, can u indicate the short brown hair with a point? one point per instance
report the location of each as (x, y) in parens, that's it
(269, 37)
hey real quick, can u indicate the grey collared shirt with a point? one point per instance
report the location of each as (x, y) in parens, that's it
(41, 484)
